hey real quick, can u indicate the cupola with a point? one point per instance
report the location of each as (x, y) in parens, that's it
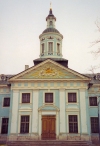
(51, 39)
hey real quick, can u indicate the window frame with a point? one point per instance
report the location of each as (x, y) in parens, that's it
(72, 100)
(49, 98)
(94, 126)
(7, 123)
(42, 48)
(4, 101)
(73, 124)
(77, 96)
(25, 124)
(50, 52)
(23, 100)
(95, 97)
(58, 49)
(48, 102)
(28, 91)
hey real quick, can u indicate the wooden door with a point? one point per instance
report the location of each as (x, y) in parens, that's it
(48, 127)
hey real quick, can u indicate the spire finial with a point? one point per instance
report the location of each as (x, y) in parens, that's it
(50, 6)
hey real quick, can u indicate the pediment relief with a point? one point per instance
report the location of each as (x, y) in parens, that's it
(49, 70)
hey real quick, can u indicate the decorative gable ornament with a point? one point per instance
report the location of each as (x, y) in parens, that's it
(49, 71)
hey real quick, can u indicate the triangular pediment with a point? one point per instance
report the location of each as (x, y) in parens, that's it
(48, 70)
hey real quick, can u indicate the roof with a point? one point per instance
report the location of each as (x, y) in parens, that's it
(5, 81)
(94, 80)
(51, 30)
(55, 59)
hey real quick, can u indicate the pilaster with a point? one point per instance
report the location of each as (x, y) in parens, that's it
(83, 112)
(35, 112)
(62, 113)
(14, 113)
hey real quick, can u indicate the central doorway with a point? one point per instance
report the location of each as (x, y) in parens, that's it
(48, 127)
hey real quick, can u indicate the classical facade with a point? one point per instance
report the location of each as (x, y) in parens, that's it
(49, 100)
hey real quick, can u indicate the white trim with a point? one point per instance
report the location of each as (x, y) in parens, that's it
(57, 42)
(20, 101)
(48, 113)
(50, 41)
(77, 98)
(19, 122)
(44, 103)
(73, 113)
(41, 64)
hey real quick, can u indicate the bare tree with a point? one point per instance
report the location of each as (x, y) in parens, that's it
(96, 53)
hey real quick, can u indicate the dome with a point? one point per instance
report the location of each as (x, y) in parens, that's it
(50, 30)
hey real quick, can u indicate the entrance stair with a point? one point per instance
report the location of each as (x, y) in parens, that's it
(49, 143)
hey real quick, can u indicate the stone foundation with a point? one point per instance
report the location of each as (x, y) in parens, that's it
(95, 139)
(3, 138)
(62, 136)
(23, 137)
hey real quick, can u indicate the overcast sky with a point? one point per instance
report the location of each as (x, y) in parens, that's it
(22, 21)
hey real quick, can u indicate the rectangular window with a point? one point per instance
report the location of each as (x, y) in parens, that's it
(93, 101)
(4, 128)
(73, 124)
(71, 97)
(25, 97)
(48, 97)
(50, 48)
(24, 126)
(94, 125)
(6, 102)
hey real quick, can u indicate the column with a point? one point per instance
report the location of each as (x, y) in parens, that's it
(35, 112)
(57, 124)
(40, 128)
(14, 115)
(62, 111)
(83, 111)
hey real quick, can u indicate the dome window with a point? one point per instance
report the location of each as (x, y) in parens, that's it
(51, 23)
(58, 49)
(42, 49)
(50, 48)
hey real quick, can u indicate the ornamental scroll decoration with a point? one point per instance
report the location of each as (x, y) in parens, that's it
(49, 71)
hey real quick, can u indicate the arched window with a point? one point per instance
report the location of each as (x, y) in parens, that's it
(42, 51)
(50, 48)
(51, 23)
(58, 49)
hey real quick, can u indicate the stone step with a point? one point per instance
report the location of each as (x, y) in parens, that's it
(48, 143)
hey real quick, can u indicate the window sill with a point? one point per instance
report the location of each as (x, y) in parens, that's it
(72, 103)
(48, 103)
(5, 106)
(93, 106)
(25, 103)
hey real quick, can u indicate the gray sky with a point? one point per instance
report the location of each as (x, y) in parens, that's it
(22, 21)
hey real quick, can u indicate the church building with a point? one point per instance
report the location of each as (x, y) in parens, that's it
(49, 101)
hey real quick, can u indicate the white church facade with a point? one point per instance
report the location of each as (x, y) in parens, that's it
(49, 101)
